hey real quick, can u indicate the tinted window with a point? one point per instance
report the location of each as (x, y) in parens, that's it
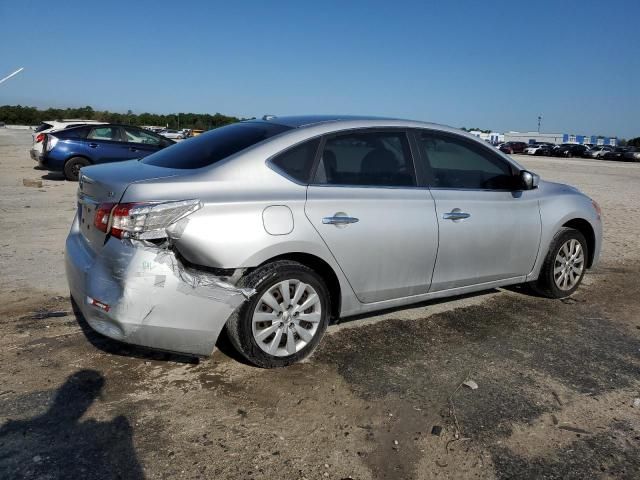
(215, 145)
(137, 135)
(78, 132)
(297, 161)
(454, 162)
(42, 126)
(368, 158)
(103, 133)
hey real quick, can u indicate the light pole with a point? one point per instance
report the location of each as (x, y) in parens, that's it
(539, 121)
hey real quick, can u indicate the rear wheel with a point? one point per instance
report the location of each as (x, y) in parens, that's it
(564, 265)
(72, 168)
(285, 319)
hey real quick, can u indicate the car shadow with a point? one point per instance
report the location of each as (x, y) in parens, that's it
(55, 176)
(57, 444)
(114, 347)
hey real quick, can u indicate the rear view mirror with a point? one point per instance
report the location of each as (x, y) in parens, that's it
(529, 180)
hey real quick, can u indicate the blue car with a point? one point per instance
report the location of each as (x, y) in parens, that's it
(71, 149)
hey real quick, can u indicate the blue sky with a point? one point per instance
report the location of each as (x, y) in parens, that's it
(491, 64)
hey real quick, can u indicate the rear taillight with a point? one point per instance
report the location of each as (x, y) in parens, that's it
(39, 137)
(142, 221)
(101, 219)
(51, 142)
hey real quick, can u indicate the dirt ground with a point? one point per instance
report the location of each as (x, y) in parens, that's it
(556, 379)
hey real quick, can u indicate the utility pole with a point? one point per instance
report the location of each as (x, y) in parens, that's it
(12, 75)
(539, 121)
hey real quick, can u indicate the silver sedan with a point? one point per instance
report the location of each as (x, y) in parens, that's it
(273, 228)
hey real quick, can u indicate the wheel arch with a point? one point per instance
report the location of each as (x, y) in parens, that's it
(585, 228)
(322, 268)
(72, 156)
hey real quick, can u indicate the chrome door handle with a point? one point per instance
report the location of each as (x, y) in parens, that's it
(456, 215)
(339, 220)
(93, 145)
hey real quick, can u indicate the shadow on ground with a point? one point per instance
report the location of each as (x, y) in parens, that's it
(58, 444)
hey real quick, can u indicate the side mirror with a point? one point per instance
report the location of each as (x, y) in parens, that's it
(529, 180)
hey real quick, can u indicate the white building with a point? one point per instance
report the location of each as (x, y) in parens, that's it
(558, 138)
(491, 137)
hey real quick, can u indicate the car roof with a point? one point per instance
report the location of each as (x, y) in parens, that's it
(300, 121)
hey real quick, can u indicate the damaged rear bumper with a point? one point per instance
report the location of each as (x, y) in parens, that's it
(144, 296)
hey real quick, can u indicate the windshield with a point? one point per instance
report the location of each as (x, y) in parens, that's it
(215, 145)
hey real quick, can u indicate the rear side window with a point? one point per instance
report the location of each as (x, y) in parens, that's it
(215, 145)
(453, 162)
(297, 161)
(103, 133)
(73, 132)
(369, 159)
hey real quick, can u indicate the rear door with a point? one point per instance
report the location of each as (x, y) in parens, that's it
(379, 226)
(104, 144)
(489, 228)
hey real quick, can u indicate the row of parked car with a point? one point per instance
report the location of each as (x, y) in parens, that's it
(175, 134)
(568, 150)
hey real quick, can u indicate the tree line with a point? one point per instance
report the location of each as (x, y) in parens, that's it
(22, 115)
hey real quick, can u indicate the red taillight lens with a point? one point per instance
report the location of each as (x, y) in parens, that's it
(142, 221)
(39, 137)
(101, 219)
(120, 213)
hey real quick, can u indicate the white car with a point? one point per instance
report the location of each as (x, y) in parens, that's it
(51, 126)
(172, 134)
(538, 149)
(599, 151)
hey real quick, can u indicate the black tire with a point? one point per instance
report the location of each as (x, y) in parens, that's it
(72, 167)
(546, 285)
(239, 325)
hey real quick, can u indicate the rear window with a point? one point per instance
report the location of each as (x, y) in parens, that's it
(42, 126)
(215, 145)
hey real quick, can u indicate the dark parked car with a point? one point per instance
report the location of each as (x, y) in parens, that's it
(570, 150)
(616, 154)
(513, 147)
(632, 154)
(71, 149)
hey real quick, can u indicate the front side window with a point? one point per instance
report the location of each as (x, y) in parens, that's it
(297, 161)
(453, 162)
(103, 133)
(214, 145)
(137, 135)
(368, 159)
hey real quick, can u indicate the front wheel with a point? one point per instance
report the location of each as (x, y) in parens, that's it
(564, 265)
(283, 322)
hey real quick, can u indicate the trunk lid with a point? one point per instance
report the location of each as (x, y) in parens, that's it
(107, 184)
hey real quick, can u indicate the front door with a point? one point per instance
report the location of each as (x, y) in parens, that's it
(379, 226)
(140, 143)
(489, 227)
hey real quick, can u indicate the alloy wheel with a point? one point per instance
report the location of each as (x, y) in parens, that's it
(286, 318)
(569, 265)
